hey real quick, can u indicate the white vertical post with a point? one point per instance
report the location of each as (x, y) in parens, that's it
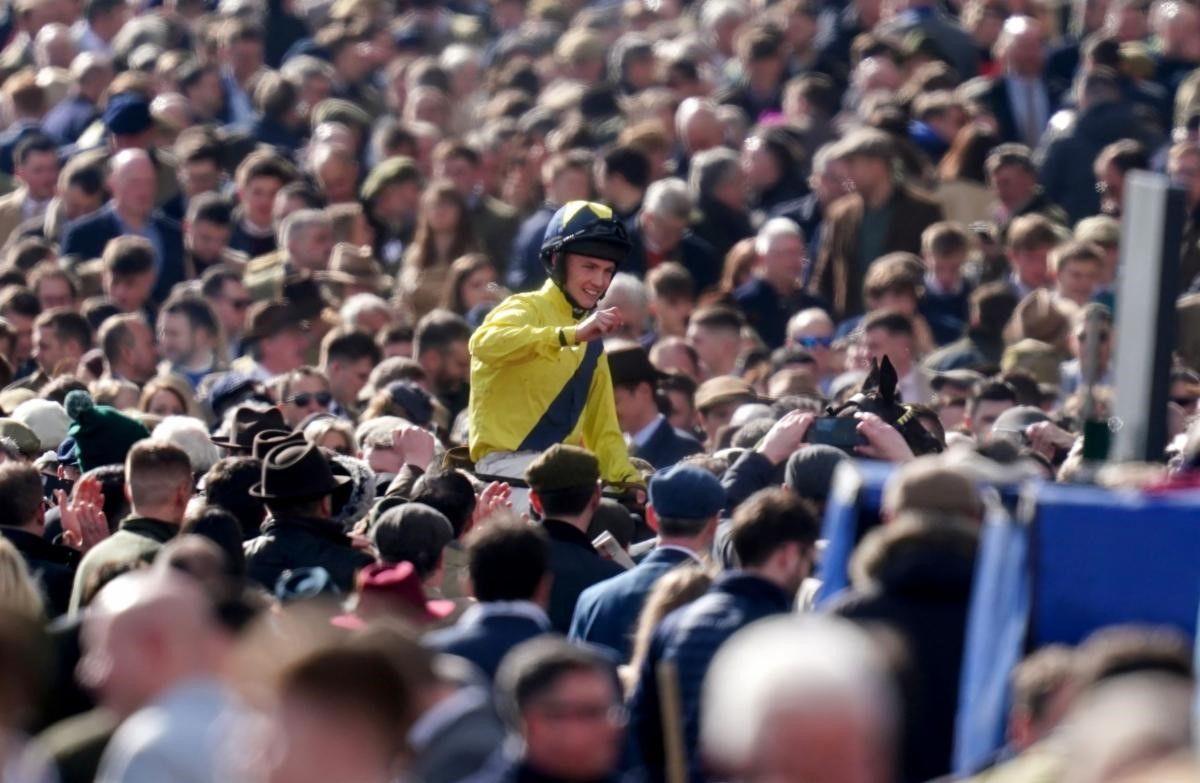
(1148, 283)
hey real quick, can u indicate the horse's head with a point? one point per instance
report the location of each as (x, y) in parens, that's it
(878, 395)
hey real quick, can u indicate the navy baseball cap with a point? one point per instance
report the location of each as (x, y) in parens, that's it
(127, 114)
(66, 453)
(686, 492)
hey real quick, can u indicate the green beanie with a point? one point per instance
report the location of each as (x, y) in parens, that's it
(103, 435)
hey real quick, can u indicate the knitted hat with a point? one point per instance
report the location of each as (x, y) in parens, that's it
(810, 471)
(103, 435)
(46, 418)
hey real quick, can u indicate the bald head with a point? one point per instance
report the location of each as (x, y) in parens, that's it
(133, 183)
(337, 172)
(813, 698)
(813, 322)
(1021, 47)
(145, 632)
(698, 126)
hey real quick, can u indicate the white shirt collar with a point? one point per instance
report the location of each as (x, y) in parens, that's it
(642, 436)
(527, 609)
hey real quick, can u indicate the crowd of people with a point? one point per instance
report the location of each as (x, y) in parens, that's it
(448, 391)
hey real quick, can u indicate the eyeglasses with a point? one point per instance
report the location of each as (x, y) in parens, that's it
(813, 342)
(592, 713)
(304, 399)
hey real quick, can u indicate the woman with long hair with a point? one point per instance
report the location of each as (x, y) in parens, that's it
(962, 176)
(443, 234)
(470, 284)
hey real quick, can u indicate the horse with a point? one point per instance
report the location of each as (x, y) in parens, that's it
(877, 395)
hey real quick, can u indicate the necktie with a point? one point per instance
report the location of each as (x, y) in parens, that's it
(1033, 130)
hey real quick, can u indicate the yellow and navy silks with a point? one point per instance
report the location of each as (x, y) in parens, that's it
(533, 385)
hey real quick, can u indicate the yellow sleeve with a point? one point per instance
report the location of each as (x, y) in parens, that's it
(602, 432)
(509, 335)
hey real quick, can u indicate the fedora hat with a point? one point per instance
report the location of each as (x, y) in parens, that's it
(355, 265)
(247, 423)
(296, 472)
(266, 440)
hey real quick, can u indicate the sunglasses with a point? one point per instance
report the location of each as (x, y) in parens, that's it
(814, 342)
(303, 399)
(1185, 402)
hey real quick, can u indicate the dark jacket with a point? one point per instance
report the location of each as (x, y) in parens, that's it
(459, 739)
(693, 252)
(975, 350)
(837, 276)
(1040, 204)
(916, 581)
(52, 566)
(951, 40)
(806, 213)
(721, 227)
(576, 566)
(525, 270)
(12, 136)
(689, 637)
(87, 237)
(768, 312)
(607, 613)
(666, 446)
(1068, 155)
(748, 474)
(946, 314)
(268, 131)
(302, 542)
(70, 118)
(485, 633)
(999, 104)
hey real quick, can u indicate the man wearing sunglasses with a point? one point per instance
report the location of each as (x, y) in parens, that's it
(221, 286)
(303, 392)
(812, 329)
(538, 371)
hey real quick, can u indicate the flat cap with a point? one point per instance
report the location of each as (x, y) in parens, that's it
(563, 467)
(961, 377)
(398, 169)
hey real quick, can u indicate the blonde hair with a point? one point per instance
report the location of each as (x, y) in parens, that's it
(18, 592)
(679, 587)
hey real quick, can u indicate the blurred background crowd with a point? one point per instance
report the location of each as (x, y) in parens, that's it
(245, 245)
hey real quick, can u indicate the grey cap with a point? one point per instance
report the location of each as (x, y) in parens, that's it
(414, 533)
(809, 471)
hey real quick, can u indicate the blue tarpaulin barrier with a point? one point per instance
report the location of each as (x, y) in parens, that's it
(1077, 559)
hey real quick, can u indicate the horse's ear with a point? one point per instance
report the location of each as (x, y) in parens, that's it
(887, 381)
(872, 379)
